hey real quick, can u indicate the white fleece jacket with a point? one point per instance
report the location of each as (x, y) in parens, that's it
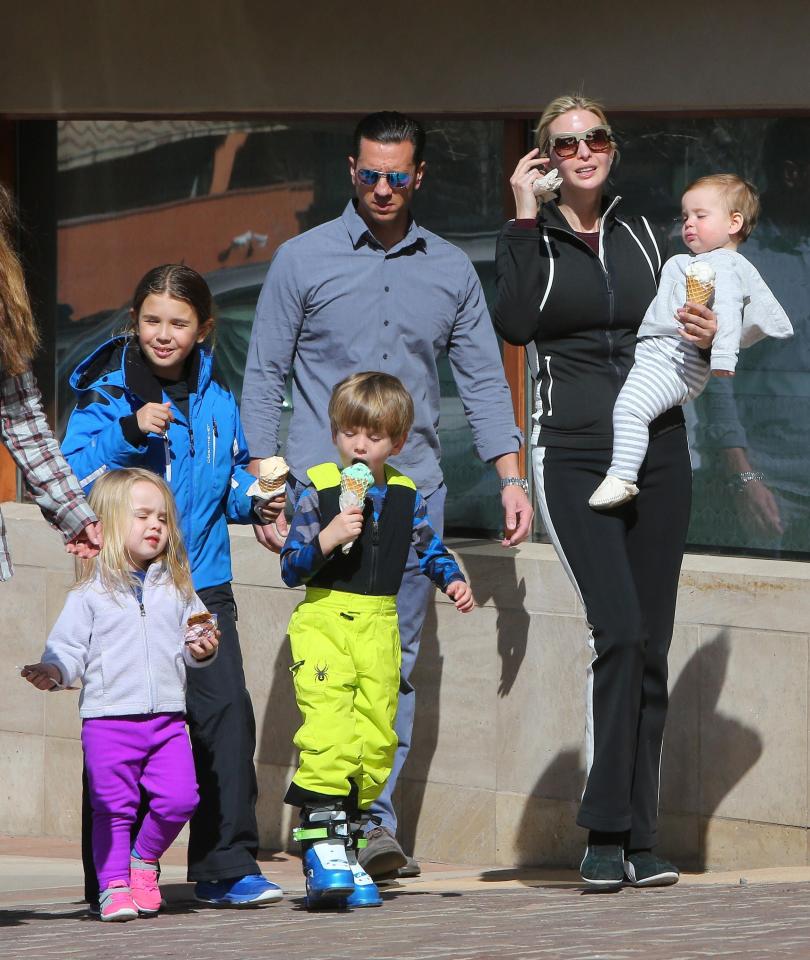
(130, 657)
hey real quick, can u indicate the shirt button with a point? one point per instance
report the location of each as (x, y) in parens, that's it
(385, 356)
(387, 289)
(385, 323)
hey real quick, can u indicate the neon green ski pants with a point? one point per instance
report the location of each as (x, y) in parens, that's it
(346, 659)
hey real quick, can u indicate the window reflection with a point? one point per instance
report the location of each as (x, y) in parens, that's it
(760, 419)
(222, 196)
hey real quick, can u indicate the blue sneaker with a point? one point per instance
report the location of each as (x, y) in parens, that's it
(327, 871)
(250, 891)
(366, 892)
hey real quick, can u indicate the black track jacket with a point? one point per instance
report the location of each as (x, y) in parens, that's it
(577, 314)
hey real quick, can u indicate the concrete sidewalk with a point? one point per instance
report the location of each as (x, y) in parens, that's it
(450, 913)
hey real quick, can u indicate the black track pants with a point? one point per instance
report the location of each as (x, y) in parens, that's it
(624, 564)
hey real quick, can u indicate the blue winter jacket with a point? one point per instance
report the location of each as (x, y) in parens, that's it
(202, 461)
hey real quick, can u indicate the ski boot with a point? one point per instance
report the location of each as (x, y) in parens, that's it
(366, 893)
(324, 834)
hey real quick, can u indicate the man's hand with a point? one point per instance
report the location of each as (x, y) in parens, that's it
(44, 676)
(346, 527)
(87, 543)
(759, 510)
(517, 515)
(154, 417)
(461, 595)
(699, 324)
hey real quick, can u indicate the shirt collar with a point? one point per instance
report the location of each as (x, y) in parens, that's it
(360, 233)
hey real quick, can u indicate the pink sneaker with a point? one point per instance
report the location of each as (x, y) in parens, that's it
(116, 903)
(143, 879)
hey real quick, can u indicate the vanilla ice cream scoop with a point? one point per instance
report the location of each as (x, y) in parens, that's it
(701, 271)
(273, 473)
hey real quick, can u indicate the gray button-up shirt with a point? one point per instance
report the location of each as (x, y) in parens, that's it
(335, 303)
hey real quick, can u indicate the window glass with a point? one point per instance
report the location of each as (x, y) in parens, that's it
(759, 421)
(221, 196)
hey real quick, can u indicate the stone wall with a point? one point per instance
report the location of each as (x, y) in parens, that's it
(496, 767)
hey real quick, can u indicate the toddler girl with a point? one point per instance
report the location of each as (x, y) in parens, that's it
(123, 632)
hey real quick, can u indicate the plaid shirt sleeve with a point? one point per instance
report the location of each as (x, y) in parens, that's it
(435, 560)
(29, 440)
(301, 555)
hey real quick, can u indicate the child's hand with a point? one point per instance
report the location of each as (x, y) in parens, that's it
(154, 417)
(722, 373)
(461, 595)
(203, 646)
(42, 675)
(346, 527)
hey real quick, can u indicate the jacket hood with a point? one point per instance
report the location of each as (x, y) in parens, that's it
(119, 362)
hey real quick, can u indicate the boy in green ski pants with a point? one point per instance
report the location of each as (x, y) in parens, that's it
(344, 635)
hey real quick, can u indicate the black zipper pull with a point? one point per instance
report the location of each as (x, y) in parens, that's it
(191, 440)
(216, 432)
(143, 611)
(375, 532)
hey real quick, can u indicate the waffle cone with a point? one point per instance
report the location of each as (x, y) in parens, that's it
(354, 487)
(698, 292)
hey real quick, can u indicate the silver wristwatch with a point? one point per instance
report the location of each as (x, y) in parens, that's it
(521, 482)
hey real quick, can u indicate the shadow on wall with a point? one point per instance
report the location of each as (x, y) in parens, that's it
(512, 626)
(693, 783)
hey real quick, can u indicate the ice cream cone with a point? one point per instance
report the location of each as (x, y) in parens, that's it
(698, 291)
(354, 483)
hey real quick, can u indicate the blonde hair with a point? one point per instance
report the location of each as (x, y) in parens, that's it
(739, 196)
(111, 500)
(374, 401)
(19, 338)
(564, 104)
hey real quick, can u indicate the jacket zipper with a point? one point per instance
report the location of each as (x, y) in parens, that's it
(375, 544)
(216, 434)
(146, 652)
(611, 301)
(167, 457)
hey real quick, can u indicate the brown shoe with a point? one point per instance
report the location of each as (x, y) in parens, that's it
(382, 854)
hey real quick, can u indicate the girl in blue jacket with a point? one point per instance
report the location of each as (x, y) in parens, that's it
(150, 399)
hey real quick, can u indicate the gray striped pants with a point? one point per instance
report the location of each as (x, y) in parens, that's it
(667, 372)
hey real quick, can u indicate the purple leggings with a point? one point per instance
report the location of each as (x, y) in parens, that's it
(122, 755)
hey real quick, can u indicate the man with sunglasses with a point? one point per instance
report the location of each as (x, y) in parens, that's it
(372, 290)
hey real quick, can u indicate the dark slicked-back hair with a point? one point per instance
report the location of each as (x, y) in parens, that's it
(388, 126)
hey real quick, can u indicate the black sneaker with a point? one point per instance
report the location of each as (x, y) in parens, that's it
(644, 869)
(603, 866)
(382, 854)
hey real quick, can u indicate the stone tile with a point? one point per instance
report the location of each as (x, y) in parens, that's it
(753, 726)
(57, 586)
(531, 831)
(680, 780)
(450, 824)
(541, 708)
(745, 844)
(680, 839)
(33, 542)
(764, 602)
(63, 788)
(252, 564)
(276, 818)
(22, 776)
(263, 617)
(509, 580)
(454, 738)
(22, 613)
(62, 715)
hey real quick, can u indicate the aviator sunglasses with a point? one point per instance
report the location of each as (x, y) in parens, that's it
(396, 179)
(597, 140)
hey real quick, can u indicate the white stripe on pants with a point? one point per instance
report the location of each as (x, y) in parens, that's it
(667, 373)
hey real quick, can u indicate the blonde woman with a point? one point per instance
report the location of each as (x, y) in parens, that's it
(23, 426)
(135, 601)
(574, 281)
